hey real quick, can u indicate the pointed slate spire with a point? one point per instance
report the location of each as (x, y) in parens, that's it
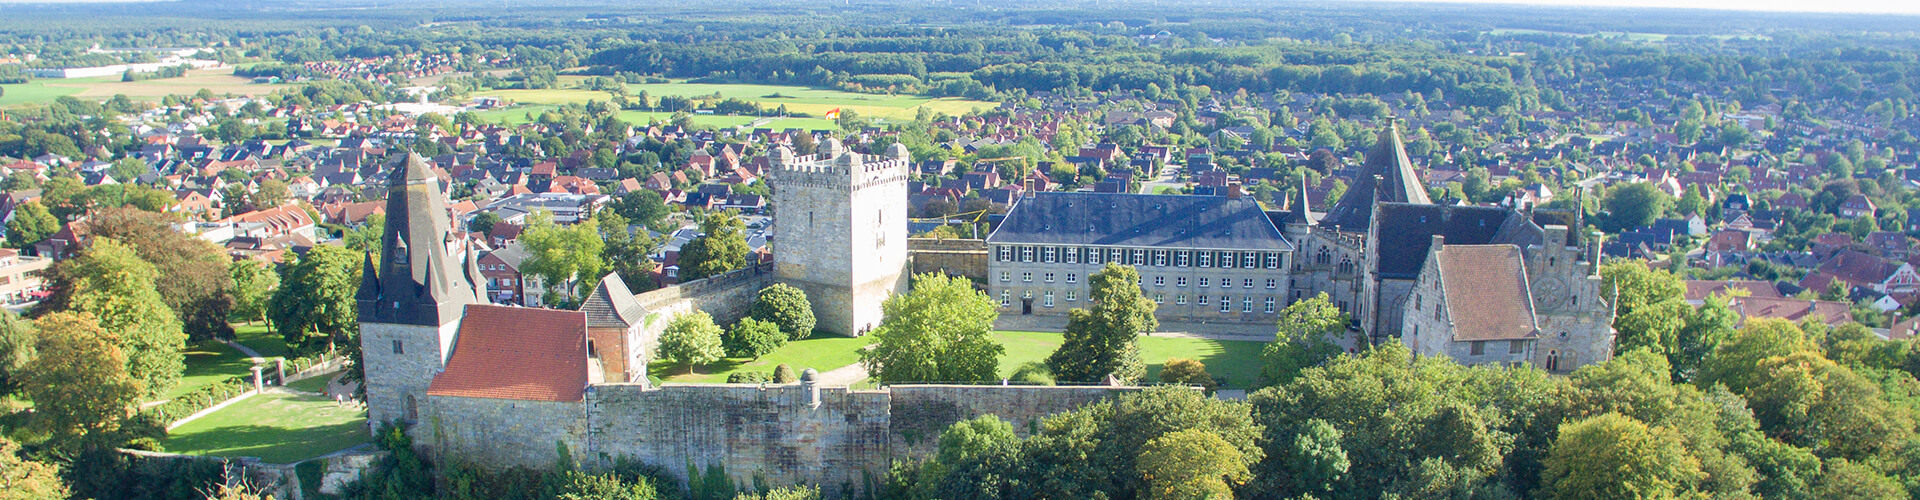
(369, 280)
(479, 281)
(421, 282)
(1387, 176)
(1302, 210)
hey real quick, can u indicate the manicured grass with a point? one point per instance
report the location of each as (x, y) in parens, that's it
(209, 361)
(261, 339)
(1238, 361)
(312, 384)
(822, 352)
(278, 428)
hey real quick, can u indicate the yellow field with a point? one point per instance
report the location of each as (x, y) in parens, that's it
(218, 80)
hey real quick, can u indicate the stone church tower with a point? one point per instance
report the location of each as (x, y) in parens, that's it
(411, 301)
(840, 231)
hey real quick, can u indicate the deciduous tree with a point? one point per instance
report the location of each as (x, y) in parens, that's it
(722, 248)
(314, 307)
(112, 284)
(31, 224)
(1614, 456)
(784, 305)
(939, 331)
(691, 339)
(1103, 340)
(253, 284)
(1191, 464)
(752, 338)
(79, 384)
(1302, 339)
(564, 255)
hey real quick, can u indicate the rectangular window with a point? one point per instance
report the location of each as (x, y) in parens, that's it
(1180, 281)
(1047, 300)
(1246, 305)
(1160, 258)
(1159, 281)
(1273, 260)
(1026, 254)
(1049, 257)
(1139, 258)
(1226, 305)
(398, 349)
(1006, 276)
(1250, 260)
(1117, 256)
(1073, 255)
(1479, 347)
(1073, 278)
(1049, 277)
(1093, 255)
(1003, 299)
(1203, 299)
(1181, 258)
(1159, 298)
(1206, 259)
(1071, 294)
(1203, 282)
(1269, 305)
(1226, 259)
(1026, 277)
(1180, 299)
(1246, 283)
(1516, 347)
(1006, 253)
(1272, 283)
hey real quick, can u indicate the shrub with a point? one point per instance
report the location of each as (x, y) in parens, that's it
(1034, 372)
(200, 399)
(752, 338)
(746, 377)
(784, 305)
(1186, 372)
(783, 374)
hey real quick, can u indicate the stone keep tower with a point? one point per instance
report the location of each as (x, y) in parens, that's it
(840, 231)
(412, 301)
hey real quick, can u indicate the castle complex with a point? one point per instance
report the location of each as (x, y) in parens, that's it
(507, 386)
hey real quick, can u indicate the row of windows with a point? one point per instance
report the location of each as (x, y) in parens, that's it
(1142, 257)
(1267, 304)
(1178, 281)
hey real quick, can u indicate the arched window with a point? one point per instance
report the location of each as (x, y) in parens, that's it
(413, 409)
(1325, 256)
(1553, 361)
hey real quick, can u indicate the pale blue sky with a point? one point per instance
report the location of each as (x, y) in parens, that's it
(1854, 6)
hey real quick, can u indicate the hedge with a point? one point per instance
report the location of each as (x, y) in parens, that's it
(200, 399)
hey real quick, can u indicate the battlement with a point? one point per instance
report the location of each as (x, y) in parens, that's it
(848, 169)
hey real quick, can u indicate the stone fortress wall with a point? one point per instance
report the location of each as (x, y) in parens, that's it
(956, 257)
(833, 437)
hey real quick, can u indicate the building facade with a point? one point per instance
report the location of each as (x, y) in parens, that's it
(1200, 258)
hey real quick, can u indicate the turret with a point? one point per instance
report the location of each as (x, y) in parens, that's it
(831, 148)
(898, 151)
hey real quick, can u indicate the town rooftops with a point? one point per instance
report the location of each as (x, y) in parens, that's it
(517, 353)
(1486, 292)
(1140, 220)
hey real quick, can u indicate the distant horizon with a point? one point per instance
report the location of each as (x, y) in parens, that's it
(1825, 7)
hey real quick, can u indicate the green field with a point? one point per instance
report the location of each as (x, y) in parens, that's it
(219, 80)
(811, 101)
(209, 361)
(279, 428)
(822, 352)
(261, 339)
(316, 384)
(1238, 361)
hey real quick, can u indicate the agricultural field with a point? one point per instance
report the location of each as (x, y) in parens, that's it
(218, 80)
(815, 102)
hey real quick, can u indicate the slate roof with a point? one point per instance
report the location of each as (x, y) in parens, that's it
(1405, 233)
(1701, 289)
(433, 286)
(1141, 220)
(1486, 292)
(517, 353)
(612, 305)
(1397, 183)
(1858, 268)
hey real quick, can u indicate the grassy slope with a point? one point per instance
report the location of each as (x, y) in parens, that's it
(208, 362)
(279, 428)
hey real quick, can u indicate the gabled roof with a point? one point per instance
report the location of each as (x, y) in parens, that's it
(1387, 176)
(1486, 293)
(1121, 219)
(1406, 231)
(517, 353)
(612, 305)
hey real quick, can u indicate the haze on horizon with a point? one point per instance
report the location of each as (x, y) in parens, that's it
(1825, 6)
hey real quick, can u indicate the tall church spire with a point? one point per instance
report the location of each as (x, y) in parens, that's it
(420, 282)
(1387, 176)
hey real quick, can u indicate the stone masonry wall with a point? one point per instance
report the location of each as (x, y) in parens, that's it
(501, 433)
(773, 431)
(921, 412)
(966, 258)
(726, 297)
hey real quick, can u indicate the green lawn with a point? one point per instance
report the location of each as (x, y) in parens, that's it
(1238, 361)
(262, 339)
(33, 92)
(822, 352)
(209, 361)
(278, 428)
(316, 383)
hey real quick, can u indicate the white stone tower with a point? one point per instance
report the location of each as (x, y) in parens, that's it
(840, 231)
(411, 302)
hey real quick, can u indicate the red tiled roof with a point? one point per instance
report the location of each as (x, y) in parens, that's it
(1486, 292)
(517, 353)
(1700, 289)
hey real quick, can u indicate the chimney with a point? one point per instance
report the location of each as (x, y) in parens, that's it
(1028, 186)
(1593, 253)
(1235, 191)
